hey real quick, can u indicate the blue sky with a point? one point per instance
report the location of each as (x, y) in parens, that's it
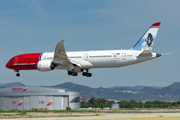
(30, 26)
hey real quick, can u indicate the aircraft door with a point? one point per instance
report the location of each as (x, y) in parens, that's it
(86, 57)
(44, 57)
(16, 60)
(124, 56)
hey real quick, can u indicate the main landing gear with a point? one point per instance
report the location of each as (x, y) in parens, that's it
(87, 74)
(72, 73)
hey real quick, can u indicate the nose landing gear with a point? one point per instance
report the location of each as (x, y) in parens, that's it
(17, 74)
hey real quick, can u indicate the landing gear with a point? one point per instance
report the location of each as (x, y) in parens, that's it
(72, 73)
(87, 74)
(17, 74)
(69, 73)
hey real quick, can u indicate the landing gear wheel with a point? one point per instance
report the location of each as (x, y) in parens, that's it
(74, 74)
(89, 75)
(69, 73)
(86, 74)
(17, 74)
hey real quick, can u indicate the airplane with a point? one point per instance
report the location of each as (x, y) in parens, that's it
(82, 61)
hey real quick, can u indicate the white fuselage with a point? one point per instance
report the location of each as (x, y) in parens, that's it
(101, 59)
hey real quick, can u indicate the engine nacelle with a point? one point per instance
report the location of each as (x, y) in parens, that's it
(45, 65)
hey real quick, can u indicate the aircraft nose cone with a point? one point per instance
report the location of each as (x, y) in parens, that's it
(7, 65)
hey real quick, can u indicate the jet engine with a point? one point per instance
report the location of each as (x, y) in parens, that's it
(45, 65)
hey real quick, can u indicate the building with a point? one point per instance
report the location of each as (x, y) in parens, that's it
(26, 98)
(84, 100)
(114, 101)
(114, 106)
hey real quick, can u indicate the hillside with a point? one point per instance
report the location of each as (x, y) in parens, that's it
(169, 93)
(134, 87)
(14, 84)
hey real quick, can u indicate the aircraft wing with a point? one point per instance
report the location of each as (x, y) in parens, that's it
(60, 57)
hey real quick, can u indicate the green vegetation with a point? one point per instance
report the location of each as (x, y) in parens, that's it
(68, 108)
(69, 112)
(101, 103)
(96, 103)
(22, 113)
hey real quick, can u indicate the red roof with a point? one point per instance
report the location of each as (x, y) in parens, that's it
(84, 99)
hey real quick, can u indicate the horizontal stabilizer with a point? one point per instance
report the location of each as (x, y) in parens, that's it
(145, 53)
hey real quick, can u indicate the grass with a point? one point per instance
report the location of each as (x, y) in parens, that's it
(23, 112)
(40, 113)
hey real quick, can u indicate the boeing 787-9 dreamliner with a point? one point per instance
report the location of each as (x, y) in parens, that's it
(83, 61)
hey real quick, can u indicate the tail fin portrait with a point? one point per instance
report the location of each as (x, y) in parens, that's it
(147, 40)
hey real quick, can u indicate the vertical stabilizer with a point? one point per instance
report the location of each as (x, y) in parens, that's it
(147, 40)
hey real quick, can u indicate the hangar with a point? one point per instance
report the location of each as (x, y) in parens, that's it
(26, 98)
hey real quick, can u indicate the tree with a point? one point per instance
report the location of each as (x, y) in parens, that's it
(178, 102)
(123, 104)
(155, 106)
(175, 104)
(108, 104)
(140, 104)
(132, 102)
(82, 104)
(148, 104)
(103, 100)
(92, 100)
(95, 105)
(101, 105)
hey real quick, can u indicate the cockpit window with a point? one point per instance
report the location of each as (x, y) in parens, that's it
(10, 60)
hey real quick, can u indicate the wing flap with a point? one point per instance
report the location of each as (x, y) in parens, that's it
(75, 63)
